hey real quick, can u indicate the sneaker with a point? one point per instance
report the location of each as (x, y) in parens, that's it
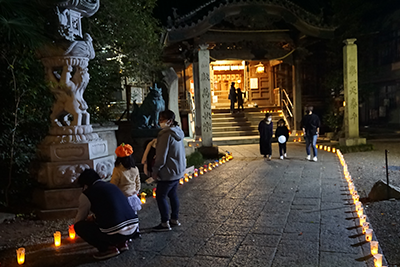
(269, 157)
(281, 157)
(315, 159)
(162, 227)
(173, 223)
(123, 246)
(308, 157)
(110, 252)
(285, 156)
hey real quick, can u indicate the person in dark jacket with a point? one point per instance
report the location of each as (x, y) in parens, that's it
(282, 134)
(113, 221)
(169, 167)
(310, 125)
(265, 128)
(232, 97)
(240, 99)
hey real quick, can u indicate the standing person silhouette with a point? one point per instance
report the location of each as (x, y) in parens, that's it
(265, 128)
(169, 166)
(232, 97)
(240, 99)
(310, 125)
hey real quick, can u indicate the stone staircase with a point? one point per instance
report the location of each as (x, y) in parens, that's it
(239, 128)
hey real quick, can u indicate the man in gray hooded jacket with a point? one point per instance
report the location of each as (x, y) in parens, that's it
(169, 167)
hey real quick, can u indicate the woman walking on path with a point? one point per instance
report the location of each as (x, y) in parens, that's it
(310, 125)
(265, 128)
(168, 168)
(282, 133)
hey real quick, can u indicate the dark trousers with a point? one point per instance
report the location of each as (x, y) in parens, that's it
(90, 232)
(164, 190)
(232, 105)
(282, 149)
(240, 104)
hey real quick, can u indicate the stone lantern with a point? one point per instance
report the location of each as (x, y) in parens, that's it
(70, 146)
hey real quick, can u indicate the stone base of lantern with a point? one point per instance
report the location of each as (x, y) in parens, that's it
(209, 151)
(64, 174)
(56, 203)
(56, 214)
(352, 141)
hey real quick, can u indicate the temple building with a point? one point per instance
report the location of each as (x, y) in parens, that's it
(260, 46)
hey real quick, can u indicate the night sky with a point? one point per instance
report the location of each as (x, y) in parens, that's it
(164, 7)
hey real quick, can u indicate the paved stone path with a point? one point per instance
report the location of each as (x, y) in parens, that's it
(250, 212)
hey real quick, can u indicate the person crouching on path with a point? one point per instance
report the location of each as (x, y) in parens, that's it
(113, 221)
(126, 176)
(265, 128)
(282, 134)
(169, 166)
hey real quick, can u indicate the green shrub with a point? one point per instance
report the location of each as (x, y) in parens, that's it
(195, 159)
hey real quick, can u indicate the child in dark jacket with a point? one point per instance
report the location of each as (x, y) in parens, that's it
(282, 133)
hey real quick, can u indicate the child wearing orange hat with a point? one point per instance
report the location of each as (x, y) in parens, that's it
(126, 175)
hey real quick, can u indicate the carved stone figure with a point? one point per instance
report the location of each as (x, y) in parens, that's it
(146, 116)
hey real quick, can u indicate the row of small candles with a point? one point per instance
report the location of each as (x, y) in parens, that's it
(188, 176)
(57, 243)
(362, 218)
(202, 170)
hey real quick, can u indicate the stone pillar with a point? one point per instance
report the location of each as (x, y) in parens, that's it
(205, 96)
(297, 92)
(350, 79)
(171, 80)
(197, 103)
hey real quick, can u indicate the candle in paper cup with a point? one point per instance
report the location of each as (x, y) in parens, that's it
(378, 260)
(360, 211)
(368, 235)
(71, 232)
(363, 219)
(57, 239)
(374, 247)
(365, 226)
(181, 181)
(21, 256)
(154, 192)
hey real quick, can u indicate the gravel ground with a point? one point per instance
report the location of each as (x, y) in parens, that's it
(367, 168)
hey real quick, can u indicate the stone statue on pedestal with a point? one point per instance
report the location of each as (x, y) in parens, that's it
(70, 146)
(146, 116)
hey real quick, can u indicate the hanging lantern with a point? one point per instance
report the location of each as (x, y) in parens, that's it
(143, 197)
(57, 239)
(71, 232)
(21, 256)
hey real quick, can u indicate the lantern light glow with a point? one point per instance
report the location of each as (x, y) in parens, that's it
(57, 239)
(21, 256)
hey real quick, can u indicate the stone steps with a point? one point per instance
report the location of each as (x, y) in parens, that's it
(240, 127)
